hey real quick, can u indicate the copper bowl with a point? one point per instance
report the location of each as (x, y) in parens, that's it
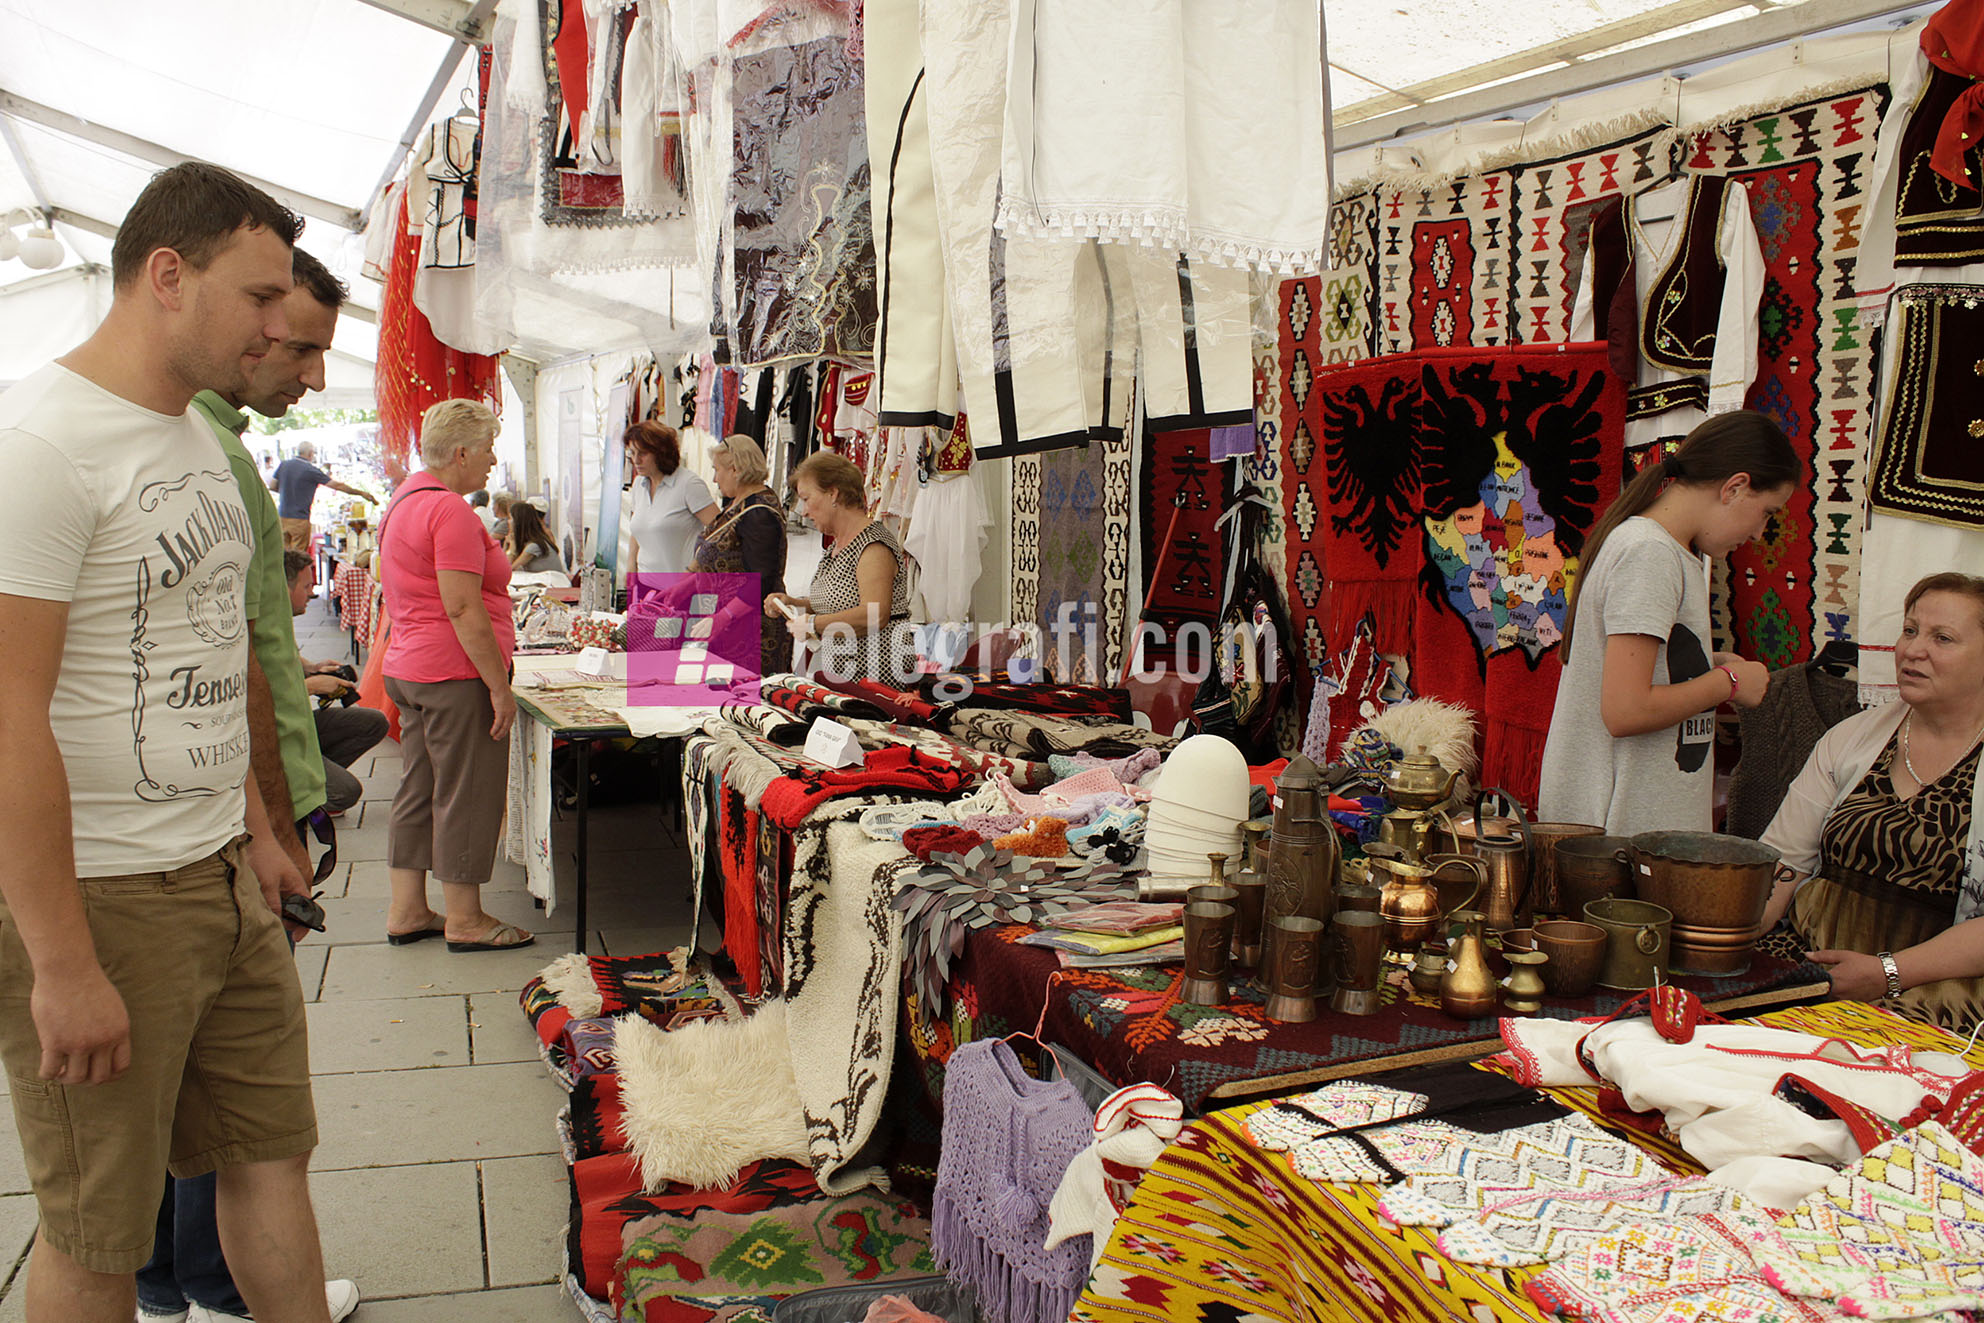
(1715, 951)
(1591, 868)
(1576, 951)
(1709, 881)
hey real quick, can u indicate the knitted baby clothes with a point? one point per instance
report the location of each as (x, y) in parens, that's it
(1900, 1236)
(1007, 1142)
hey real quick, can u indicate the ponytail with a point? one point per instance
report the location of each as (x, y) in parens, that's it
(1743, 442)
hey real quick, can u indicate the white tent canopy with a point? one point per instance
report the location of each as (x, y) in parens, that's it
(319, 99)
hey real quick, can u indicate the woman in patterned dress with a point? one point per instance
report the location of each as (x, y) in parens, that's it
(1883, 872)
(748, 537)
(859, 607)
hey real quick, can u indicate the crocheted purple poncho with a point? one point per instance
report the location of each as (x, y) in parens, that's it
(1008, 1139)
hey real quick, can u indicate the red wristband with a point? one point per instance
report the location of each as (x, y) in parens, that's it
(1734, 683)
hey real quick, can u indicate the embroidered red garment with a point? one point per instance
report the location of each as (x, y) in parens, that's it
(415, 369)
(1954, 42)
(791, 797)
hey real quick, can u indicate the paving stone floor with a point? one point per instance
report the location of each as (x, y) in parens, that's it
(437, 1180)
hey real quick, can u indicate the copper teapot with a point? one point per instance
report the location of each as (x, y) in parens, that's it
(1418, 781)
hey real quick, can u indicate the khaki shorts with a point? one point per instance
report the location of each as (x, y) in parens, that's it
(296, 534)
(220, 1065)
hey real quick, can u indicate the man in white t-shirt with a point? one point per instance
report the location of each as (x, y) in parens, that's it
(151, 1012)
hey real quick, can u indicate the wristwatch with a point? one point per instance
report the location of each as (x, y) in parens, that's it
(1893, 972)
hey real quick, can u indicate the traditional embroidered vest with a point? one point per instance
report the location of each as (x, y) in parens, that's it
(1937, 221)
(1614, 288)
(1677, 325)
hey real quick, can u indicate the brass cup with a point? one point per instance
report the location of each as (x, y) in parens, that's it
(1294, 959)
(1251, 897)
(1208, 943)
(1360, 961)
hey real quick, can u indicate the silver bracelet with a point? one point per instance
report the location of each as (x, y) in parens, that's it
(1893, 971)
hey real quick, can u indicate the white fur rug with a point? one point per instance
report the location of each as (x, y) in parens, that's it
(707, 1098)
(1426, 725)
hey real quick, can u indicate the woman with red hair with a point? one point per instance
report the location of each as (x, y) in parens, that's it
(671, 504)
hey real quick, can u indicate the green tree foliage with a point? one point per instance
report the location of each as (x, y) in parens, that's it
(296, 418)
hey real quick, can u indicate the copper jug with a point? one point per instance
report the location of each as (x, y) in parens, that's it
(1467, 992)
(1505, 865)
(1409, 903)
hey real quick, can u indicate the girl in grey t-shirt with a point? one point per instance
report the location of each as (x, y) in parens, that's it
(1631, 738)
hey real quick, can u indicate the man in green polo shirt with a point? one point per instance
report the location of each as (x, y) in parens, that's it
(187, 1267)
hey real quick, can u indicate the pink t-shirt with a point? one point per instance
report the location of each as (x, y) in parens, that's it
(422, 535)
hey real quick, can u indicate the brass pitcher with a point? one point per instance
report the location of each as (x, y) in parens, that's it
(1303, 853)
(1505, 863)
(1467, 992)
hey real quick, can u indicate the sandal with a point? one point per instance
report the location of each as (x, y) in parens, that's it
(502, 937)
(417, 935)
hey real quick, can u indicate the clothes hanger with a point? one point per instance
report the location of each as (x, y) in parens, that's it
(469, 113)
(1839, 657)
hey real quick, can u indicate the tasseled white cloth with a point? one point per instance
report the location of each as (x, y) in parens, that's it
(1191, 125)
(1132, 1128)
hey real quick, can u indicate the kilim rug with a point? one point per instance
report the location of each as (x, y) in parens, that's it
(1073, 513)
(1445, 494)
(1130, 1024)
(1071, 533)
(1183, 564)
(731, 1264)
(1495, 258)
(1806, 169)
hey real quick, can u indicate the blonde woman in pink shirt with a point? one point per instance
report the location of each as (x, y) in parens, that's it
(448, 668)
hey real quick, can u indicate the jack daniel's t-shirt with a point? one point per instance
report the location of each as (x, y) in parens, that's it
(1641, 582)
(133, 518)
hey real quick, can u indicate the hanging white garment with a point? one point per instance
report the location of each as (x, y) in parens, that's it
(379, 232)
(650, 121)
(1655, 244)
(1142, 122)
(597, 134)
(1048, 329)
(916, 356)
(567, 279)
(445, 283)
(947, 540)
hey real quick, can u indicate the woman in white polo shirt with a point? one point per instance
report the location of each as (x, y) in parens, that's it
(671, 504)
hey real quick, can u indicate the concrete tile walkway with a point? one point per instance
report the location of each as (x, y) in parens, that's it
(437, 1180)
